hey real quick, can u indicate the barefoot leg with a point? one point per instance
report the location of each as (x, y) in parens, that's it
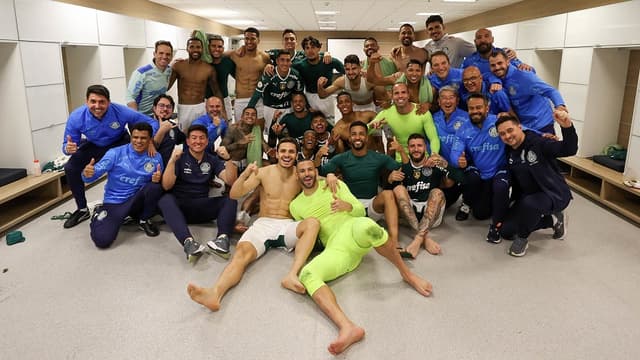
(432, 247)
(414, 247)
(307, 231)
(230, 277)
(348, 332)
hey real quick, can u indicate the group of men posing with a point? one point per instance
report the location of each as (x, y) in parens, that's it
(490, 138)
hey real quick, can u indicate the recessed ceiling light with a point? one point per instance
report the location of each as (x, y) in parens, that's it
(327, 12)
(427, 13)
(463, 1)
(392, 29)
(407, 22)
(327, 27)
(326, 22)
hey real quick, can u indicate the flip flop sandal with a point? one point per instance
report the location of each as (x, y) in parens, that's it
(404, 253)
(64, 216)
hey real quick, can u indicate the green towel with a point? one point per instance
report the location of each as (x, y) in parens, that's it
(206, 57)
(425, 94)
(254, 148)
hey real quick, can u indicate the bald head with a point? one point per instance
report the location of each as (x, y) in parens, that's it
(483, 41)
(472, 79)
(214, 106)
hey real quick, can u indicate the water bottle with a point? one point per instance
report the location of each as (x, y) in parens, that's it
(37, 171)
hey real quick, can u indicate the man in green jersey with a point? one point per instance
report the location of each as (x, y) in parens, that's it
(347, 236)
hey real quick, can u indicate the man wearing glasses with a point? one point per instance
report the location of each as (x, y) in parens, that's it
(474, 83)
(151, 80)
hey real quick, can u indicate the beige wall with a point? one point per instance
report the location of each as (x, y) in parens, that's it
(144, 9)
(521, 11)
(386, 40)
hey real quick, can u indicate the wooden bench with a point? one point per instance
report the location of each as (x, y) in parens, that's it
(604, 186)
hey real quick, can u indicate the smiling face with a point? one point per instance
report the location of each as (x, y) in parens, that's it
(162, 56)
(319, 125)
(289, 41)
(311, 52)
(345, 104)
(286, 154)
(413, 73)
(283, 63)
(400, 95)
(440, 66)
(249, 116)
(140, 140)
(435, 30)
(251, 41)
(197, 141)
(472, 79)
(194, 48)
(307, 174)
(358, 137)
(483, 41)
(370, 47)
(448, 101)
(298, 103)
(352, 71)
(417, 150)
(406, 36)
(499, 65)
(478, 110)
(163, 109)
(309, 141)
(97, 105)
(216, 48)
(511, 133)
(214, 106)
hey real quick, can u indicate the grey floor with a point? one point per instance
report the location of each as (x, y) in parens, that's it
(61, 298)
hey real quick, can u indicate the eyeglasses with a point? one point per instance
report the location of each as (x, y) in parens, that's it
(471, 79)
(164, 106)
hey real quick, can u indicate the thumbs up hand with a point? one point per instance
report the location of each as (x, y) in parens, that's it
(462, 161)
(89, 170)
(340, 205)
(157, 175)
(71, 147)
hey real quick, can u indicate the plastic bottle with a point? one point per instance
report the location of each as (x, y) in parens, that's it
(37, 170)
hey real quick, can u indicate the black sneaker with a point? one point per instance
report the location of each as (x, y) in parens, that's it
(519, 247)
(494, 235)
(193, 249)
(220, 245)
(559, 225)
(463, 212)
(76, 218)
(149, 227)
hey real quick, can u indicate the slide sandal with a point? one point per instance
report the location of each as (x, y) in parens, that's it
(64, 216)
(405, 254)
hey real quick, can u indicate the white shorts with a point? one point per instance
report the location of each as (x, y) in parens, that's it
(366, 107)
(188, 113)
(229, 108)
(371, 212)
(240, 104)
(326, 106)
(268, 116)
(419, 206)
(266, 233)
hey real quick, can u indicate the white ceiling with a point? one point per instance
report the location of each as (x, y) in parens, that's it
(354, 15)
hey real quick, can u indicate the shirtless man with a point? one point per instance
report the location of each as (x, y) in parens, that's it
(193, 76)
(277, 185)
(401, 54)
(341, 130)
(361, 91)
(249, 68)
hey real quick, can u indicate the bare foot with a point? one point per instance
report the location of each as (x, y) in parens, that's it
(204, 296)
(414, 247)
(292, 283)
(346, 337)
(432, 247)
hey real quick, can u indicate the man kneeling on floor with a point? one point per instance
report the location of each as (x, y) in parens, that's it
(347, 236)
(274, 228)
(132, 189)
(189, 176)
